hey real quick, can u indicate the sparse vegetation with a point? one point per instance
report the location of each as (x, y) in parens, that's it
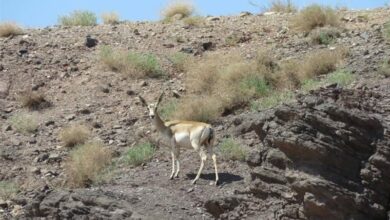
(341, 77)
(231, 150)
(32, 99)
(235, 38)
(181, 61)
(74, 135)
(78, 18)
(9, 29)
(199, 108)
(385, 68)
(139, 154)
(110, 18)
(314, 16)
(324, 35)
(194, 21)
(85, 164)
(177, 10)
(24, 123)
(386, 30)
(283, 6)
(168, 109)
(131, 63)
(319, 62)
(8, 190)
(273, 99)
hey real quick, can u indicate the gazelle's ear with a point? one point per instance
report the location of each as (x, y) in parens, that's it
(159, 99)
(143, 101)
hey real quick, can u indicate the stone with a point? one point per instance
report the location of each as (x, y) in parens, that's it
(4, 87)
(213, 18)
(70, 117)
(90, 42)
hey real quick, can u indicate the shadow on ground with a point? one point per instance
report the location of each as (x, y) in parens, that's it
(224, 178)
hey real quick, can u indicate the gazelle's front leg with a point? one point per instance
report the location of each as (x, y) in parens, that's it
(177, 154)
(173, 164)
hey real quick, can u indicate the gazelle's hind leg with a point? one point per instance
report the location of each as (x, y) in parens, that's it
(173, 164)
(177, 152)
(174, 154)
(203, 158)
(214, 157)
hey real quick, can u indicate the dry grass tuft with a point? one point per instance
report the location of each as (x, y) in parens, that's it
(9, 29)
(131, 63)
(318, 63)
(315, 16)
(198, 108)
(32, 100)
(85, 164)
(24, 123)
(74, 135)
(110, 18)
(177, 10)
(285, 6)
(324, 35)
(194, 21)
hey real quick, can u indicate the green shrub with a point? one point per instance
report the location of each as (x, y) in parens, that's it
(24, 123)
(273, 99)
(314, 16)
(139, 154)
(78, 18)
(341, 77)
(8, 190)
(231, 150)
(131, 63)
(85, 164)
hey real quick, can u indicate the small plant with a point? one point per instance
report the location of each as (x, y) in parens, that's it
(314, 16)
(74, 135)
(319, 63)
(257, 84)
(8, 190)
(139, 154)
(386, 30)
(24, 123)
(231, 150)
(9, 29)
(180, 60)
(131, 63)
(110, 18)
(32, 100)
(85, 164)
(341, 77)
(285, 6)
(78, 18)
(274, 99)
(324, 35)
(178, 10)
(385, 68)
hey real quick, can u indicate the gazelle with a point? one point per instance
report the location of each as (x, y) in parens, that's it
(198, 135)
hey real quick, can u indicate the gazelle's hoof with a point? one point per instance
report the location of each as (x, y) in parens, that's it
(216, 183)
(171, 177)
(193, 182)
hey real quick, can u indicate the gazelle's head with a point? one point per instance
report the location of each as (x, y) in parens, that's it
(152, 108)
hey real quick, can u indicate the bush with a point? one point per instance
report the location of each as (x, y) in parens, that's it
(85, 164)
(315, 16)
(318, 63)
(139, 154)
(198, 108)
(324, 35)
(178, 9)
(9, 29)
(231, 150)
(341, 77)
(78, 18)
(74, 135)
(110, 18)
(24, 123)
(181, 61)
(194, 21)
(31, 99)
(131, 63)
(8, 190)
(285, 6)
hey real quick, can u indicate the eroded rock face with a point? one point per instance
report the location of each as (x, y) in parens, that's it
(325, 157)
(77, 204)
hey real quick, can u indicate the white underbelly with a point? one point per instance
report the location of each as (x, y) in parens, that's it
(183, 140)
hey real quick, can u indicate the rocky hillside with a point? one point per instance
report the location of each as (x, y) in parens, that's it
(324, 156)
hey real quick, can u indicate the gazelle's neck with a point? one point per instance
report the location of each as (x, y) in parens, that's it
(160, 126)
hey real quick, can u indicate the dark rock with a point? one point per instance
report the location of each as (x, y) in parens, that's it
(130, 92)
(187, 50)
(23, 51)
(207, 45)
(90, 42)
